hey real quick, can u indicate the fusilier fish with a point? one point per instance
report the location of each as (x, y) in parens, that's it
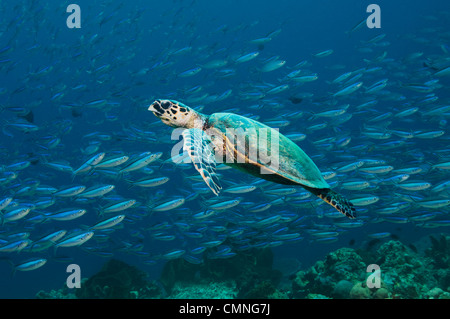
(112, 162)
(272, 65)
(150, 182)
(70, 191)
(66, 215)
(348, 90)
(109, 223)
(172, 204)
(142, 161)
(97, 191)
(75, 240)
(29, 265)
(118, 207)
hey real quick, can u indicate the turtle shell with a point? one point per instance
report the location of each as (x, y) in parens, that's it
(257, 149)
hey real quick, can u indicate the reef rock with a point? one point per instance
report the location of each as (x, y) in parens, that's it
(404, 272)
(325, 276)
(118, 280)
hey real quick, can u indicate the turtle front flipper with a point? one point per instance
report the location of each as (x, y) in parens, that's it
(338, 201)
(198, 145)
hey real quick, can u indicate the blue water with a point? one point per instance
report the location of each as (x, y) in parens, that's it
(53, 73)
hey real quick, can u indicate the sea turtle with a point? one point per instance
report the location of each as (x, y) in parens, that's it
(246, 145)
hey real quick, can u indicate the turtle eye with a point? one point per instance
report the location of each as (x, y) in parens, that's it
(166, 105)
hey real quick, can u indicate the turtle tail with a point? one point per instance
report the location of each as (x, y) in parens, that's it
(338, 201)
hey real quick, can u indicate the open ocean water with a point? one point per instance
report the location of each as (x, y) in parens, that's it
(86, 171)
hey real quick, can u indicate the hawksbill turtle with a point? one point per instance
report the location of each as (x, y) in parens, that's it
(247, 145)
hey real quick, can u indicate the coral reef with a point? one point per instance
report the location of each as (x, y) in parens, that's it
(250, 272)
(334, 277)
(213, 290)
(62, 293)
(118, 280)
(405, 273)
(413, 271)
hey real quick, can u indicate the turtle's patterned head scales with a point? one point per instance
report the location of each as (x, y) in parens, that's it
(173, 113)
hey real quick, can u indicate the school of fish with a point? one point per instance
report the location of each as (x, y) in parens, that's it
(85, 166)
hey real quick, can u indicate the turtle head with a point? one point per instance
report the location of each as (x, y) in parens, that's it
(176, 114)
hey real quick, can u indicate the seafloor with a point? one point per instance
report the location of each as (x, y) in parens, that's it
(415, 271)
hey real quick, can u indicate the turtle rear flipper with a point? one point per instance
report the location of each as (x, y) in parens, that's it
(338, 201)
(198, 145)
